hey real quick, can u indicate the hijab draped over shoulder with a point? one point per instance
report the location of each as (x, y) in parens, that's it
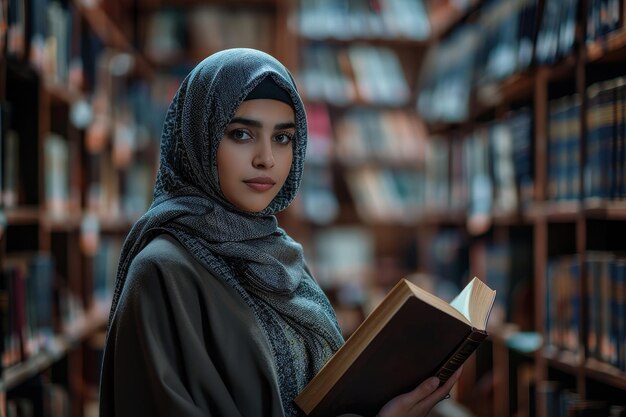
(247, 250)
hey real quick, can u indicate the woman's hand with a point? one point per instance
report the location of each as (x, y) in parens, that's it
(421, 400)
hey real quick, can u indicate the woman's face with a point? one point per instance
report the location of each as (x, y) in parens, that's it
(255, 154)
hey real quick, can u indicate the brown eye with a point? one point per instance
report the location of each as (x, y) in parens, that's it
(239, 135)
(283, 138)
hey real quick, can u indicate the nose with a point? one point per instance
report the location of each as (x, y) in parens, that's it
(264, 156)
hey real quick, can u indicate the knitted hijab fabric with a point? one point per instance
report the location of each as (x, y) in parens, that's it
(247, 250)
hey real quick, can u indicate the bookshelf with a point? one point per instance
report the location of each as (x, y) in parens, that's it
(569, 221)
(526, 124)
(84, 87)
(71, 84)
(440, 210)
(355, 68)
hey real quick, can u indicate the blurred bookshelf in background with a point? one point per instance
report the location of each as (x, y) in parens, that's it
(447, 139)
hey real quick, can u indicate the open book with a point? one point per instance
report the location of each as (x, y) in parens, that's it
(410, 336)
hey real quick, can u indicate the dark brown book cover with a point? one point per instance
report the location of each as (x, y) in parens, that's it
(417, 341)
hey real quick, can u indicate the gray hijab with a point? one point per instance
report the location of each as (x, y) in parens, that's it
(248, 251)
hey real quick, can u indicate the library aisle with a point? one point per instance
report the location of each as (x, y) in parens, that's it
(447, 139)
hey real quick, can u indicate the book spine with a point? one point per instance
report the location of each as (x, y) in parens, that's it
(469, 345)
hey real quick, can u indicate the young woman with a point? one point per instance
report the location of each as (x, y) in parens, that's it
(215, 312)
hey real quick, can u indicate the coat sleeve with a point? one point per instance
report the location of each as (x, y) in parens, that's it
(163, 356)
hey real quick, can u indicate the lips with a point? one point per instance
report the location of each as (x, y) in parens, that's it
(260, 183)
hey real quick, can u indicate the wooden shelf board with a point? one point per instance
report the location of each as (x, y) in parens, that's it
(612, 46)
(111, 35)
(378, 163)
(87, 324)
(441, 128)
(562, 211)
(397, 42)
(517, 87)
(358, 102)
(562, 360)
(18, 373)
(73, 219)
(571, 210)
(61, 93)
(509, 219)
(66, 223)
(605, 373)
(609, 210)
(433, 216)
(116, 224)
(564, 69)
(22, 215)
(155, 5)
(441, 25)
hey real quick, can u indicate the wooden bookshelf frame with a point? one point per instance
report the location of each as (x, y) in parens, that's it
(533, 86)
(83, 327)
(66, 349)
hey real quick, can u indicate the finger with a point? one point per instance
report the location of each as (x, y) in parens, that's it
(445, 388)
(423, 390)
(440, 393)
(410, 399)
(454, 378)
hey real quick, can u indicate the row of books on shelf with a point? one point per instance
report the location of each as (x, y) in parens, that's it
(52, 49)
(344, 75)
(484, 172)
(38, 303)
(365, 134)
(603, 177)
(564, 143)
(39, 397)
(446, 77)
(204, 29)
(387, 194)
(112, 190)
(557, 31)
(403, 19)
(105, 262)
(113, 193)
(27, 287)
(507, 29)
(508, 270)
(561, 401)
(505, 39)
(488, 171)
(118, 158)
(495, 170)
(603, 17)
(317, 201)
(605, 299)
(395, 170)
(499, 43)
(59, 45)
(604, 172)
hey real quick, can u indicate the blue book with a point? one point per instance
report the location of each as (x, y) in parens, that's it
(619, 275)
(40, 282)
(574, 324)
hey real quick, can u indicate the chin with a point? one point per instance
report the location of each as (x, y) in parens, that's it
(253, 208)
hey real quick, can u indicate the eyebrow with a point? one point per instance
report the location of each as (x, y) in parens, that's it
(256, 123)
